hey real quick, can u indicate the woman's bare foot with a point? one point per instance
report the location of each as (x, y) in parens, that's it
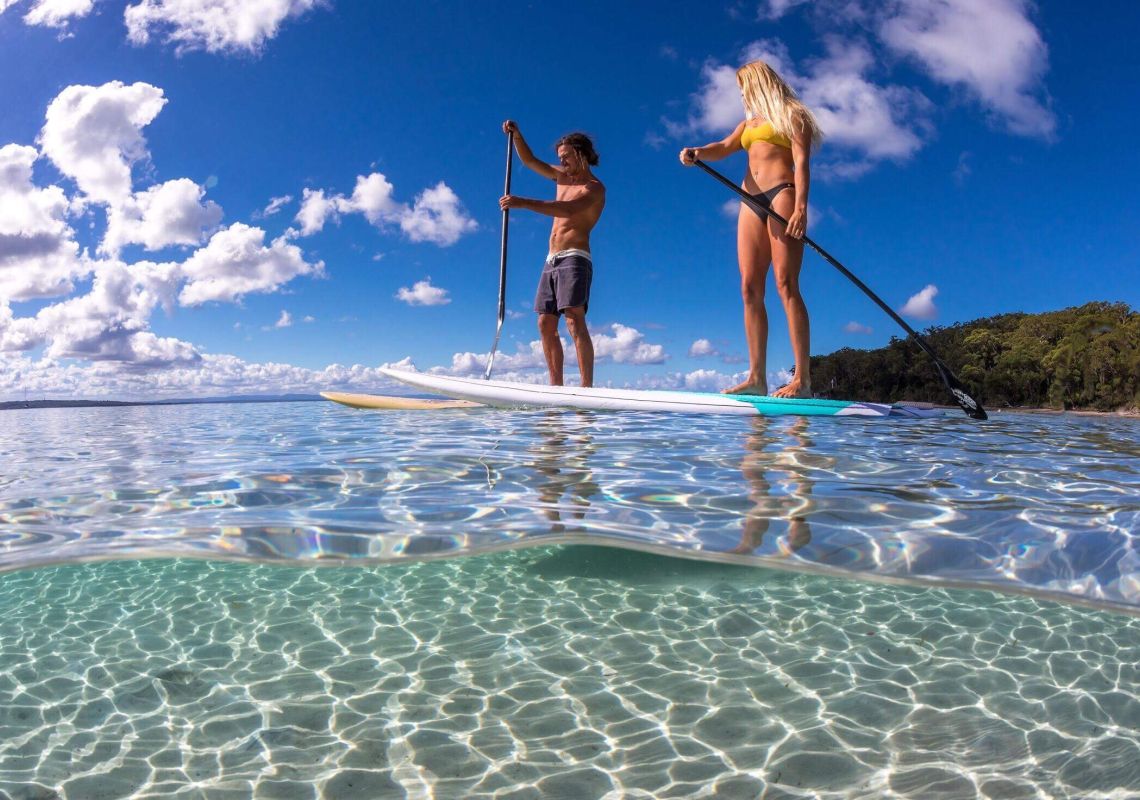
(748, 387)
(793, 388)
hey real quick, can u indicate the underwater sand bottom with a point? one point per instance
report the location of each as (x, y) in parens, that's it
(574, 673)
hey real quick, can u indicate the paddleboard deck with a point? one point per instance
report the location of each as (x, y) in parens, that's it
(524, 395)
(379, 401)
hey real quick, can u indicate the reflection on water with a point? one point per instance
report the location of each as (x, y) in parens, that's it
(769, 458)
(561, 457)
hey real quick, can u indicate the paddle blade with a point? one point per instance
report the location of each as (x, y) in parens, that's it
(964, 399)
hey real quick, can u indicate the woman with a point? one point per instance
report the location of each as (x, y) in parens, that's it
(778, 135)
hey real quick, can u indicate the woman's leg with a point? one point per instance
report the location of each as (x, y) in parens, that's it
(787, 258)
(754, 253)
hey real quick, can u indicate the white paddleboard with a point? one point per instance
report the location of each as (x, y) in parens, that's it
(526, 395)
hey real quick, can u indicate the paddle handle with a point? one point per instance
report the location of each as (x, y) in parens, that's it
(503, 257)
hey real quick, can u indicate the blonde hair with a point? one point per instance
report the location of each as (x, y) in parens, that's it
(767, 96)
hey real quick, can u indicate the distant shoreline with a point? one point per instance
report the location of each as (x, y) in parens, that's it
(31, 404)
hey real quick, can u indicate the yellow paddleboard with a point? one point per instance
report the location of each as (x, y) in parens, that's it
(380, 401)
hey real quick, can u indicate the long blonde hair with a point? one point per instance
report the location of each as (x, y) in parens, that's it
(767, 96)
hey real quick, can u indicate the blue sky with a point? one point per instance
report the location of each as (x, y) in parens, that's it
(205, 197)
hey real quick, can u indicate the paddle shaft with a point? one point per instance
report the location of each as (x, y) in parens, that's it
(967, 403)
(503, 258)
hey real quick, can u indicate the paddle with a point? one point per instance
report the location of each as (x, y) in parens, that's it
(502, 260)
(967, 403)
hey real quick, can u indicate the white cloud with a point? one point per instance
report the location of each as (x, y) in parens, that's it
(437, 217)
(717, 105)
(216, 26)
(109, 323)
(284, 321)
(308, 318)
(704, 380)
(237, 262)
(93, 134)
(990, 47)
(57, 13)
(38, 254)
(209, 375)
(622, 345)
(774, 9)
(699, 380)
(276, 204)
(857, 327)
(876, 121)
(315, 211)
(921, 305)
(171, 213)
(626, 345)
(372, 197)
(423, 293)
(701, 348)
(778, 378)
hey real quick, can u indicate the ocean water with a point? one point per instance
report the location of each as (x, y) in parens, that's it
(566, 605)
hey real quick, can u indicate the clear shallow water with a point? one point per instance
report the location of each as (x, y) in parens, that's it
(577, 672)
(456, 670)
(1026, 503)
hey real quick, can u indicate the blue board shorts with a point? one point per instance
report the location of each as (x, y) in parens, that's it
(565, 282)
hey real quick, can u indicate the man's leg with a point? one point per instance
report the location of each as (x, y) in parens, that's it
(551, 346)
(576, 324)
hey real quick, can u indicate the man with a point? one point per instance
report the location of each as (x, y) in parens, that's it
(564, 287)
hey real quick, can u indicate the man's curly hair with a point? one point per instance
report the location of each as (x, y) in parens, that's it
(582, 143)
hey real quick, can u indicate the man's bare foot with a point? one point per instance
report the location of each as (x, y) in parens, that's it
(748, 387)
(793, 388)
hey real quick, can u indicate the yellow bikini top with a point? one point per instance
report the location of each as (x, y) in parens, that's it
(763, 133)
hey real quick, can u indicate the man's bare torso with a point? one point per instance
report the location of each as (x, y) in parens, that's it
(573, 232)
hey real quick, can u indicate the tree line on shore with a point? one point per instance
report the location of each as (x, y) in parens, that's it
(1085, 357)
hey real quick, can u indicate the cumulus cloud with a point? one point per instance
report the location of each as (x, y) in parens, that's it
(858, 327)
(237, 262)
(38, 253)
(209, 375)
(216, 26)
(56, 13)
(422, 293)
(616, 343)
(921, 305)
(93, 134)
(284, 321)
(436, 216)
(372, 197)
(171, 213)
(701, 348)
(716, 103)
(315, 211)
(110, 322)
(626, 345)
(989, 47)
